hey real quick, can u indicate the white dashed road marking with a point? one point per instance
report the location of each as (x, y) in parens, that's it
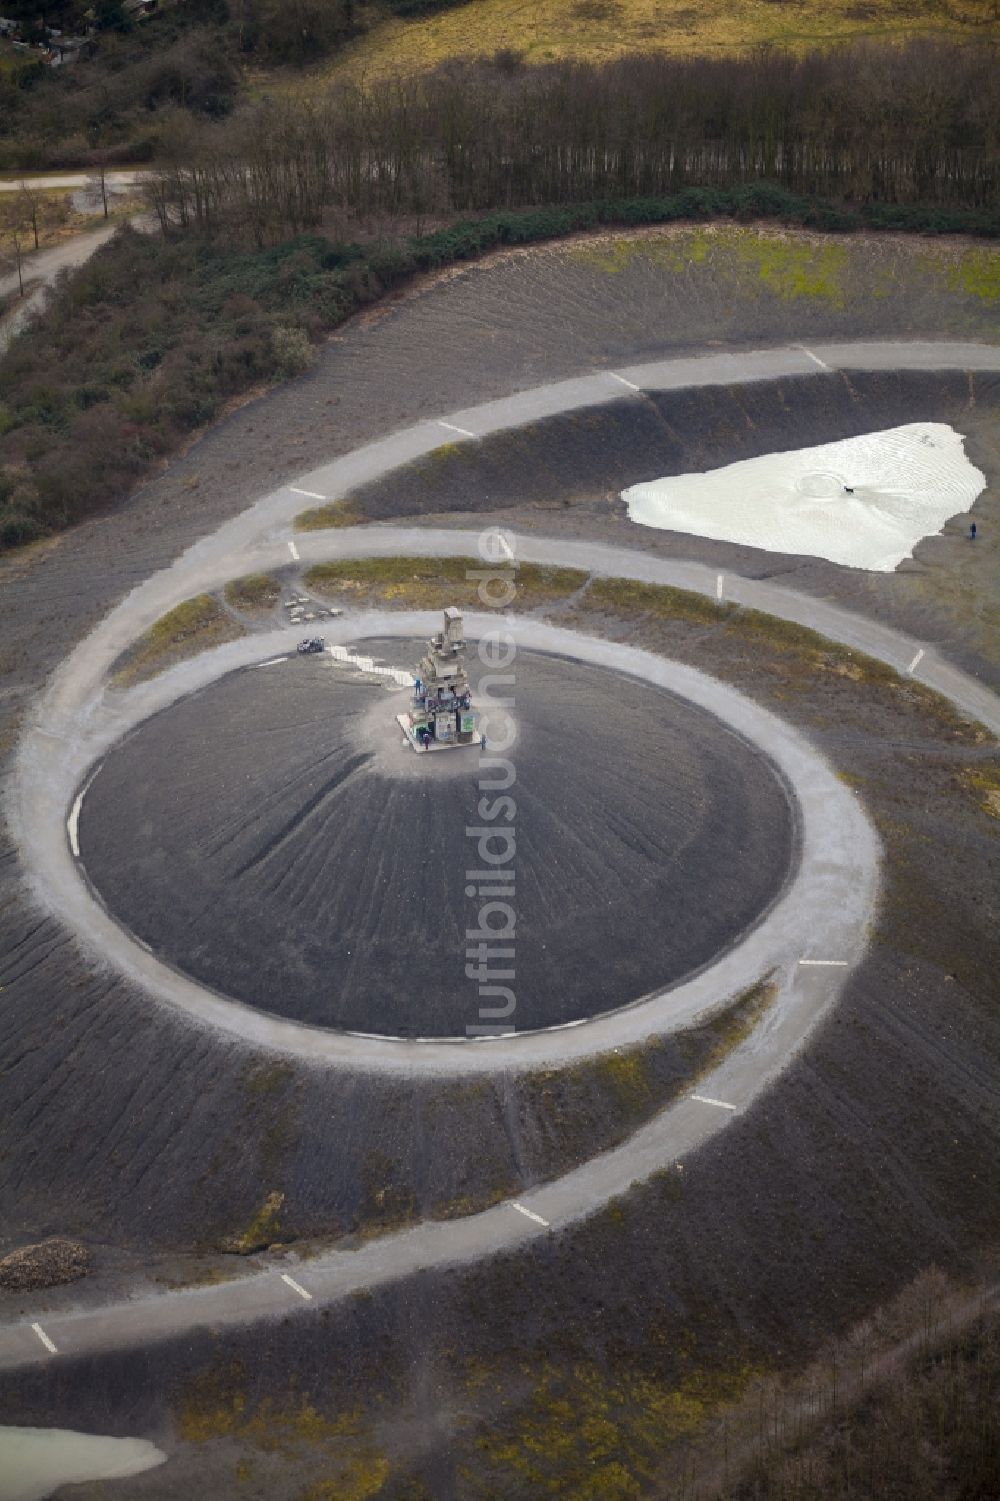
(914, 664)
(814, 357)
(704, 1099)
(294, 551)
(824, 963)
(529, 1213)
(630, 383)
(719, 586)
(453, 429)
(311, 493)
(272, 661)
(296, 1287)
(37, 1328)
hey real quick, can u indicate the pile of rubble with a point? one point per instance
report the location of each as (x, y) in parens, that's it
(45, 1264)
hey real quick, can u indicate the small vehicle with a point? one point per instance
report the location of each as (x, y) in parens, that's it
(310, 645)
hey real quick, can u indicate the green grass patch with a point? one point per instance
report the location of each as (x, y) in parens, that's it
(334, 513)
(424, 583)
(256, 591)
(631, 598)
(600, 30)
(189, 628)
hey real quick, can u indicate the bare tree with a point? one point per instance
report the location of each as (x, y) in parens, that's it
(29, 201)
(15, 232)
(100, 181)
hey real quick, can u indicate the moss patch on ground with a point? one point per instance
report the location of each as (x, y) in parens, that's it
(262, 1230)
(430, 582)
(255, 591)
(790, 266)
(340, 1450)
(974, 272)
(586, 1434)
(191, 627)
(630, 598)
(389, 1202)
(984, 782)
(333, 513)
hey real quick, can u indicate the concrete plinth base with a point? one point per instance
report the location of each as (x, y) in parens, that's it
(434, 745)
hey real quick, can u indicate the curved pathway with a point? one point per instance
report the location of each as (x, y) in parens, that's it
(260, 538)
(823, 910)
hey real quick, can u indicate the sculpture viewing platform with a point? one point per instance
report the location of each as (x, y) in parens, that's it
(441, 716)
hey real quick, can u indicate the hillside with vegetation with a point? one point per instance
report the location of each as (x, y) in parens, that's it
(281, 211)
(542, 31)
(203, 59)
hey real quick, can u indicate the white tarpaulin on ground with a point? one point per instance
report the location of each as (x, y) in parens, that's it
(34, 1462)
(906, 483)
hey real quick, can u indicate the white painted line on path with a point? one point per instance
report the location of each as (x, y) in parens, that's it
(272, 661)
(293, 550)
(453, 429)
(73, 821)
(914, 664)
(814, 357)
(73, 824)
(824, 963)
(630, 383)
(529, 1213)
(311, 493)
(37, 1328)
(704, 1099)
(296, 1288)
(719, 586)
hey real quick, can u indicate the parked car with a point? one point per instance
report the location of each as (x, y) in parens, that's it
(310, 645)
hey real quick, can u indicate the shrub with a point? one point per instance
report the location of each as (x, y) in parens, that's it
(292, 350)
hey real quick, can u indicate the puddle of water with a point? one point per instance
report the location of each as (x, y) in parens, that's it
(863, 502)
(34, 1462)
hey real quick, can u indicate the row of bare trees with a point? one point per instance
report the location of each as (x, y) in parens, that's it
(891, 124)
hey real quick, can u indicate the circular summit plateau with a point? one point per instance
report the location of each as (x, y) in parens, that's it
(275, 838)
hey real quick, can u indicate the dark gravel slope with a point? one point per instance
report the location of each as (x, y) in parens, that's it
(271, 837)
(874, 1155)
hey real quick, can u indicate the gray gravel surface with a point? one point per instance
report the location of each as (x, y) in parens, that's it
(820, 1201)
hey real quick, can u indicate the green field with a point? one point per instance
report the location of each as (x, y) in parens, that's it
(543, 31)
